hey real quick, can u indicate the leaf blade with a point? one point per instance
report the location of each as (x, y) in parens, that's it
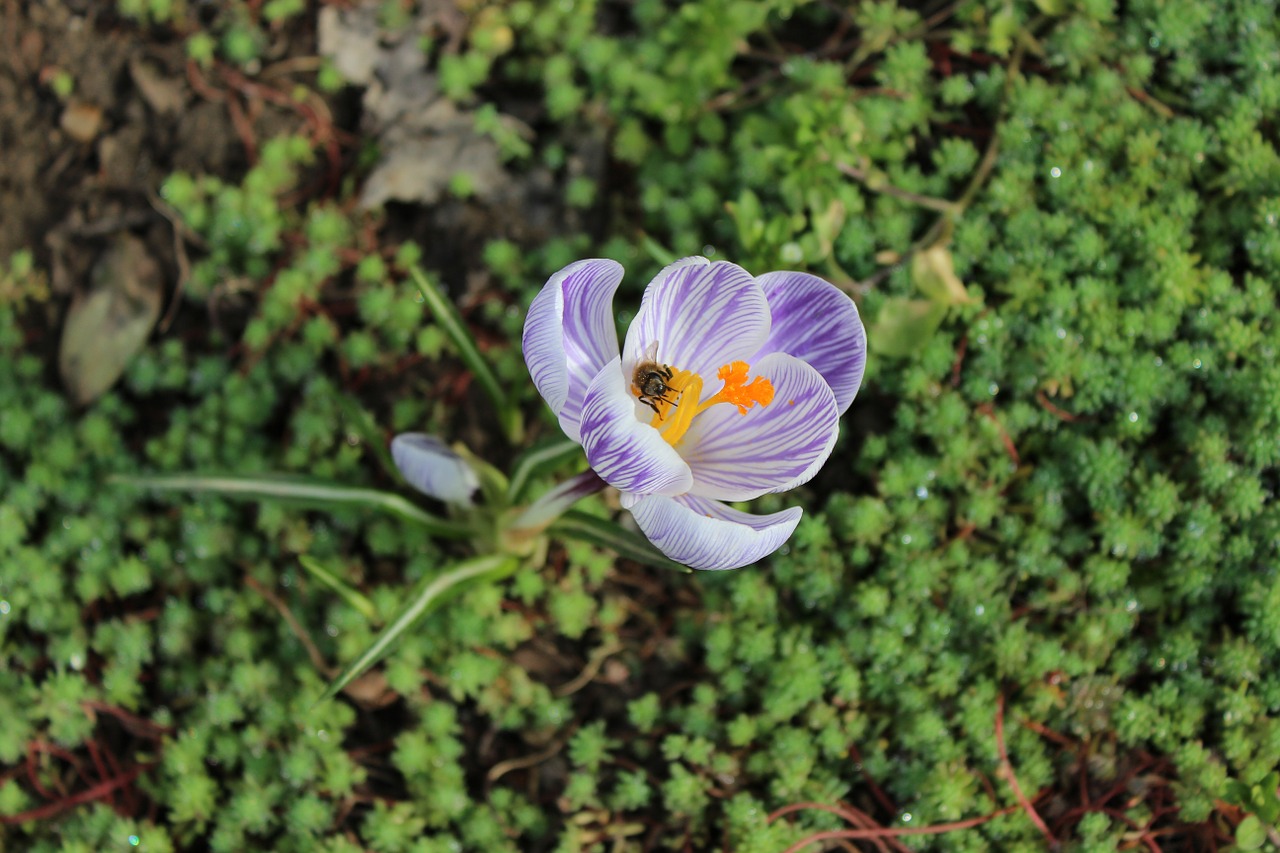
(532, 461)
(598, 531)
(491, 567)
(450, 321)
(302, 491)
(349, 594)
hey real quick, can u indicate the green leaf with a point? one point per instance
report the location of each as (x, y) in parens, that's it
(1003, 29)
(905, 325)
(539, 459)
(302, 491)
(1251, 833)
(363, 424)
(588, 528)
(335, 583)
(1268, 797)
(935, 276)
(430, 595)
(450, 322)
(656, 250)
(748, 215)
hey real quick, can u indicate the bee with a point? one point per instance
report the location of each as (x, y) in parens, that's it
(649, 382)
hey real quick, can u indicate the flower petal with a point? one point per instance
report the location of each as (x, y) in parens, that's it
(706, 534)
(432, 468)
(700, 315)
(736, 457)
(570, 334)
(816, 321)
(627, 454)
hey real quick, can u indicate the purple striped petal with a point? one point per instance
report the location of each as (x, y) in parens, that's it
(432, 468)
(706, 534)
(569, 335)
(627, 453)
(815, 321)
(700, 316)
(736, 457)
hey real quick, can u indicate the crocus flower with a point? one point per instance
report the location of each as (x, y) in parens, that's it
(431, 467)
(727, 387)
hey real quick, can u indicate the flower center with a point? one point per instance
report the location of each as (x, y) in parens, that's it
(684, 385)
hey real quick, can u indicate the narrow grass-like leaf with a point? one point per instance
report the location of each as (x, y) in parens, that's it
(538, 459)
(656, 250)
(492, 567)
(302, 491)
(338, 585)
(598, 531)
(450, 322)
(364, 426)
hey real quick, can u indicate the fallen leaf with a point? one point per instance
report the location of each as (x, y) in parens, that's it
(162, 92)
(371, 691)
(81, 121)
(425, 141)
(349, 39)
(106, 326)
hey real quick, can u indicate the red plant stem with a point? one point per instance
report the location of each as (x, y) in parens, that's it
(1007, 770)
(88, 795)
(130, 804)
(838, 811)
(876, 791)
(1046, 732)
(1054, 410)
(896, 831)
(1009, 446)
(101, 766)
(137, 726)
(961, 349)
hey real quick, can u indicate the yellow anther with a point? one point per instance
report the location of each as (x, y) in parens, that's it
(675, 415)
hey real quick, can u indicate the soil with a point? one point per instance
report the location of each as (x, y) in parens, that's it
(79, 168)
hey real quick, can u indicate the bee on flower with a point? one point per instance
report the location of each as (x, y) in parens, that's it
(727, 387)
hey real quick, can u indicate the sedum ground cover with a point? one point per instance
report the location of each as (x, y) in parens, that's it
(1035, 599)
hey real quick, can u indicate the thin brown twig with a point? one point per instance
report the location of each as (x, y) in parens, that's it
(876, 791)
(1006, 770)
(590, 671)
(897, 831)
(941, 228)
(88, 795)
(135, 725)
(860, 820)
(876, 184)
(1060, 414)
(502, 768)
(313, 652)
(1009, 447)
(1159, 107)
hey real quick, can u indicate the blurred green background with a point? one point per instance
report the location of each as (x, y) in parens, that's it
(1036, 590)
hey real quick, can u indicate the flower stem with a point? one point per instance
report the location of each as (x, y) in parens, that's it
(552, 505)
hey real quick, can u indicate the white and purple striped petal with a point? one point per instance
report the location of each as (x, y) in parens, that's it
(700, 315)
(816, 321)
(706, 534)
(432, 468)
(569, 335)
(627, 453)
(737, 457)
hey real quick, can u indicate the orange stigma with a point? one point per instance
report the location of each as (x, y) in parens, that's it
(738, 391)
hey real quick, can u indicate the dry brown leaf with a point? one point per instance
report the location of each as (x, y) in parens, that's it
(106, 326)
